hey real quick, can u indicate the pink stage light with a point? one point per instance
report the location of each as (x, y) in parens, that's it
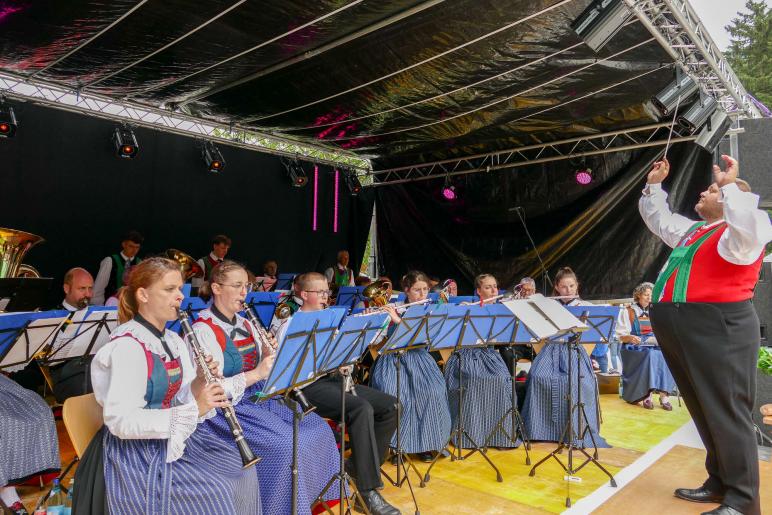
(335, 213)
(316, 195)
(584, 176)
(449, 192)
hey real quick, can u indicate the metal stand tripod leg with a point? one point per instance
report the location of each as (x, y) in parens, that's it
(342, 476)
(403, 461)
(570, 437)
(459, 433)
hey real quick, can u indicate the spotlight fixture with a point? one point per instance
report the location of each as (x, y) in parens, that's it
(125, 142)
(600, 22)
(448, 190)
(696, 116)
(714, 130)
(7, 120)
(296, 173)
(583, 176)
(352, 181)
(683, 87)
(212, 157)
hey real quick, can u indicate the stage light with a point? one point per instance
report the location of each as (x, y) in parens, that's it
(583, 176)
(296, 174)
(8, 123)
(696, 116)
(448, 190)
(212, 157)
(352, 181)
(600, 22)
(125, 142)
(715, 129)
(683, 87)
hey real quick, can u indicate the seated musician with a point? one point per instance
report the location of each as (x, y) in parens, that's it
(544, 412)
(71, 377)
(291, 300)
(28, 442)
(644, 370)
(425, 425)
(340, 274)
(371, 415)
(246, 362)
(109, 279)
(267, 282)
(511, 355)
(153, 455)
(221, 244)
(486, 381)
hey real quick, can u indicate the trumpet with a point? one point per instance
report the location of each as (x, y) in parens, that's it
(401, 307)
(262, 335)
(248, 458)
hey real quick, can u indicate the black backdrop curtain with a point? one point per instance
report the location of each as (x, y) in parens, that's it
(61, 180)
(594, 229)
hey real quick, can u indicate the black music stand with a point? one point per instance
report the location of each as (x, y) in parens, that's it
(572, 437)
(86, 332)
(23, 335)
(350, 296)
(24, 293)
(464, 327)
(296, 365)
(413, 332)
(350, 343)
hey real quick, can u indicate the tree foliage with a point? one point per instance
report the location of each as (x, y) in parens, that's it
(750, 49)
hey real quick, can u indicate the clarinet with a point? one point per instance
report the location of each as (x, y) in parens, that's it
(248, 458)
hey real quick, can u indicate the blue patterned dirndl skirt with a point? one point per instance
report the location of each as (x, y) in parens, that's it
(545, 412)
(267, 427)
(425, 421)
(207, 479)
(28, 442)
(487, 394)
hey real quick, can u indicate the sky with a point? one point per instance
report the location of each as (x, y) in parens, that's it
(715, 14)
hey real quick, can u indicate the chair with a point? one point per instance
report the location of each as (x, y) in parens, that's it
(82, 417)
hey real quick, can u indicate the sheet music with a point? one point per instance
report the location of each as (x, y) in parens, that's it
(544, 317)
(77, 336)
(19, 352)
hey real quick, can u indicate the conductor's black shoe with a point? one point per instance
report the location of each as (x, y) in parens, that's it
(375, 503)
(700, 494)
(722, 510)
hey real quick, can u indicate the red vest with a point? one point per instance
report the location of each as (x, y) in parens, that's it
(714, 279)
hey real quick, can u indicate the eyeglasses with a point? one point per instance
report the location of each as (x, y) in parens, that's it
(321, 293)
(238, 286)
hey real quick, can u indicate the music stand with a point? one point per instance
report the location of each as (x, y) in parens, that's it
(413, 332)
(23, 335)
(192, 306)
(465, 326)
(284, 281)
(355, 335)
(296, 365)
(24, 293)
(350, 296)
(507, 330)
(86, 332)
(264, 305)
(566, 323)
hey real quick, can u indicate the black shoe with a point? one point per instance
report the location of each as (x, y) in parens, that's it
(723, 510)
(375, 503)
(426, 457)
(700, 494)
(393, 459)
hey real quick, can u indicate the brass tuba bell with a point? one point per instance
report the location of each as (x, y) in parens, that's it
(189, 267)
(378, 292)
(13, 245)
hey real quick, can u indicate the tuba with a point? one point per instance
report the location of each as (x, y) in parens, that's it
(13, 245)
(189, 267)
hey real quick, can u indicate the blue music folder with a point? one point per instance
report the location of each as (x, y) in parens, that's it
(22, 335)
(263, 303)
(284, 281)
(353, 337)
(350, 296)
(414, 330)
(303, 345)
(601, 322)
(466, 326)
(193, 306)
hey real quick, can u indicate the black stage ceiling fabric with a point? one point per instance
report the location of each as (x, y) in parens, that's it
(594, 229)
(62, 181)
(401, 82)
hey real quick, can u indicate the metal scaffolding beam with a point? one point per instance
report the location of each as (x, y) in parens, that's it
(678, 29)
(572, 148)
(40, 92)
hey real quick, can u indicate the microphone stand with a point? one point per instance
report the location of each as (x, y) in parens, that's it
(545, 276)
